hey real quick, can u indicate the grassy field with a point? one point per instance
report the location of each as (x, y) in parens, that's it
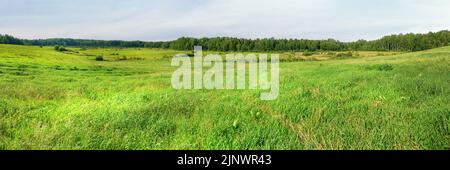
(56, 100)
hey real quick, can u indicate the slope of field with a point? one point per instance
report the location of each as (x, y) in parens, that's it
(55, 100)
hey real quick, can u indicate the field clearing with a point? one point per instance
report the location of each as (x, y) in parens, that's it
(56, 100)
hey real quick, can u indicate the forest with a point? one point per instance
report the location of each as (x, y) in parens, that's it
(399, 42)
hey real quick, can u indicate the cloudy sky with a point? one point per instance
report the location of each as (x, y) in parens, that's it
(344, 20)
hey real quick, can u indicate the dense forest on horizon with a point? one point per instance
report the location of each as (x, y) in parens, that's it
(398, 42)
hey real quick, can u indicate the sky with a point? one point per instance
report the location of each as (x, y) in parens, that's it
(161, 20)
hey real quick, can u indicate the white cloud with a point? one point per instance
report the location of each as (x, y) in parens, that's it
(165, 20)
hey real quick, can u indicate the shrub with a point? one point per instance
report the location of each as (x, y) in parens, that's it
(60, 48)
(344, 55)
(99, 58)
(385, 67)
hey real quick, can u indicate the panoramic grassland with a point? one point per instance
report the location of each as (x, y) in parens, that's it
(121, 98)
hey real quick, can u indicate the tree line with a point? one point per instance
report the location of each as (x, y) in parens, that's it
(7, 39)
(404, 42)
(399, 42)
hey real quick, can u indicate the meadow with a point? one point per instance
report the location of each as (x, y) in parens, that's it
(121, 98)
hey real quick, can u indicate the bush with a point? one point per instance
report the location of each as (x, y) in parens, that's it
(385, 67)
(344, 55)
(99, 58)
(60, 48)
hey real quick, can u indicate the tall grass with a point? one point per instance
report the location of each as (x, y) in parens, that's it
(384, 102)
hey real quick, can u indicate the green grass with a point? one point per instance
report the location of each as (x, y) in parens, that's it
(56, 100)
